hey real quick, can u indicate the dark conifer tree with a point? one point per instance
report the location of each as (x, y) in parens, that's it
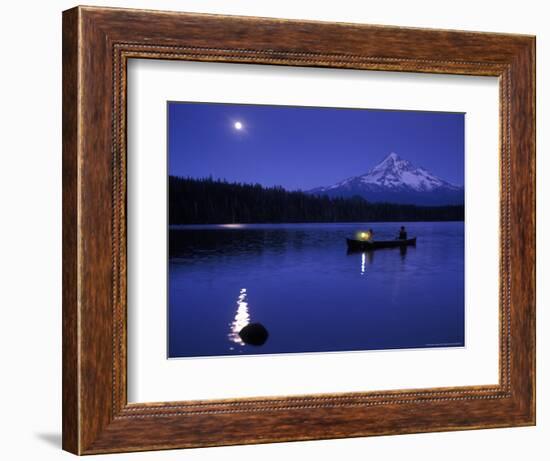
(209, 201)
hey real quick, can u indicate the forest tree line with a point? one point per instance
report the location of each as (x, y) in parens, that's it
(210, 201)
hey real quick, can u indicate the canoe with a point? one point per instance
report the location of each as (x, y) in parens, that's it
(361, 245)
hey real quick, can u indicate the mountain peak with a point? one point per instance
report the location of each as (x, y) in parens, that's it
(401, 180)
(391, 166)
(389, 159)
(395, 172)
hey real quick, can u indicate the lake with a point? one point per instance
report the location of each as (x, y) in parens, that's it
(300, 283)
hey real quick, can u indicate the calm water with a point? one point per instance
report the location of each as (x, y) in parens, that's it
(300, 283)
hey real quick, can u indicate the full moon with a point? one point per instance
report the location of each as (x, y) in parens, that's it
(238, 126)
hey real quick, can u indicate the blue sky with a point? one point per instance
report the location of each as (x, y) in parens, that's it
(307, 147)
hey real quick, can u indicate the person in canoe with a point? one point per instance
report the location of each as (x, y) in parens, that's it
(402, 233)
(370, 236)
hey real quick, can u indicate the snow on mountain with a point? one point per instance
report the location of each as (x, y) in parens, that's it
(397, 180)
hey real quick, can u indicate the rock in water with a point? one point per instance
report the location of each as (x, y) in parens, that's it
(254, 334)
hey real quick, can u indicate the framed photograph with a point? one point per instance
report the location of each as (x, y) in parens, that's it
(280, 230)
(272, 231)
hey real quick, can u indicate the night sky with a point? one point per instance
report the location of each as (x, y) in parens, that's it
(307, 147)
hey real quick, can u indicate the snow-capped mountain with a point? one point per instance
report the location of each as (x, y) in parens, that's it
(396, 180)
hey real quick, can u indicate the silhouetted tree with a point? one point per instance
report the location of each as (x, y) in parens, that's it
(209, 201)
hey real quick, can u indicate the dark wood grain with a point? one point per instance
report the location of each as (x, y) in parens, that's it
(70, 384)
(97, 43)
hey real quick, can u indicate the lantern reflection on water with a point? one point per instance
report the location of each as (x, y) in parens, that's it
(366, 261)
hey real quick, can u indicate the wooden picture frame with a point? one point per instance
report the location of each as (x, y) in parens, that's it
(97, 43)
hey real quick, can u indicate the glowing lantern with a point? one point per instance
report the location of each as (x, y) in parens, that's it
(363, 235)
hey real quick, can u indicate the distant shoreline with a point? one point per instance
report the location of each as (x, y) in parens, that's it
(209, 201)
(267, 224)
